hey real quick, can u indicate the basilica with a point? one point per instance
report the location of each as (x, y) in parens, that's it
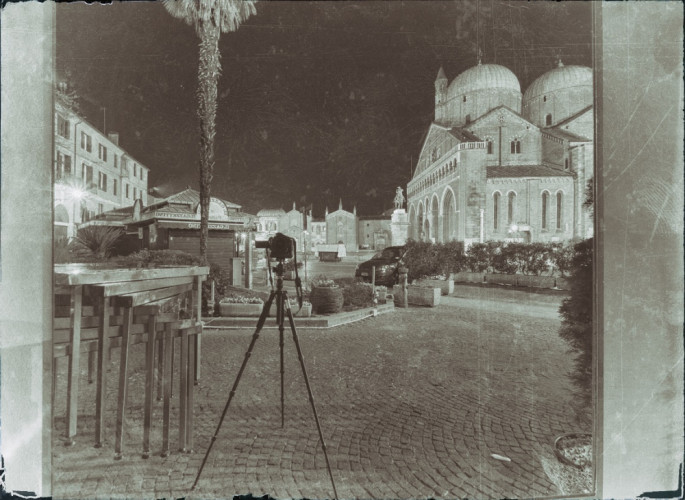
(499, 164)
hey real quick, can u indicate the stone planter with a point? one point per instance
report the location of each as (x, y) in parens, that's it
(305, 312)
(468, 277)
(240, 310)
(417, 295)
(446, 286)
(326, 300)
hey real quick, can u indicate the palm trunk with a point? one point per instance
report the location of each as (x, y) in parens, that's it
(208, 76)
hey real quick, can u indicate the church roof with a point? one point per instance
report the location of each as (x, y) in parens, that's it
(463, 135)
(566, 134)
(191, 197)
(525, 171)
(271, 212)
(561, 77)
(574, 116)
(484, 76)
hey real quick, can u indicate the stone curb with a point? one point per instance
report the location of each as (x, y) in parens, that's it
(312, 322)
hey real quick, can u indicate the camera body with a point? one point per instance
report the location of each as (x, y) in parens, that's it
(281, 246)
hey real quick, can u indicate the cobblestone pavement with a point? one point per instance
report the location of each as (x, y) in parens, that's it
(411, 404)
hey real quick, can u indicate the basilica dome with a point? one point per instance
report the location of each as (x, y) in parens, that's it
(484, 77)
(560, 78)
(558, 95)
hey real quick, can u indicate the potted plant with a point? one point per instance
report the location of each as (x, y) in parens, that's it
(326, 296)
(574, 449)
(241, 306)
(305, 311)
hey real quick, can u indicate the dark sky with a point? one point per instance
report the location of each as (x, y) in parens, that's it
(317, 100)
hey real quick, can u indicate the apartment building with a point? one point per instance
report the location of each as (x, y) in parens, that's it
(93, 174)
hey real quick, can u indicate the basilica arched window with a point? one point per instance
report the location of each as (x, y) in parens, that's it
(490, 148)
(565, 163)
(468, 118)
(548, 119)
(510, 208)
(545, 209)
(464, 99)
(495, 210)
(515, 146)
(560, 202)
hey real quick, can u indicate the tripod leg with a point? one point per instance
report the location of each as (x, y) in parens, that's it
(248, 353)
(279, 317)
(309, 391)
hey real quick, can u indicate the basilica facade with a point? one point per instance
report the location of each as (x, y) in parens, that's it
(499, 164)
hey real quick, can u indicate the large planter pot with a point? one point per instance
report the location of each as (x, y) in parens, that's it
(574, 449)
(326, 299)
(240, 310)
(446, 286)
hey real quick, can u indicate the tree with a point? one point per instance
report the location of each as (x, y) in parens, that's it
(209, 18)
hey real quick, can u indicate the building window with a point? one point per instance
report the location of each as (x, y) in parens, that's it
(141, 173)
(101, 208)
(86, 142)
(87, 174)
(510, 211)
(102, 152)
(63, 126)
(490, 147)
(515, 146)
(544, 98)
(560, 201)
(545, 208)
(102, 181)
(116, 161)
(127, 191)
(548, 119)
(464, 99)
(565, 163)
(114, 187)
(135, 168)
(495, 210)
(135, 193)
(468, 118)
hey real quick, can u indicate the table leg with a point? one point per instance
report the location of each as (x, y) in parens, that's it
(123, 383)
(103, 349)
(74, 360)
(198, 312)
(183, 391)
(149, 382)
(167, 375)
(191, 389)
(160, 366)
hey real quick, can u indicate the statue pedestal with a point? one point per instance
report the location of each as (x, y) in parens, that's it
(399, 226)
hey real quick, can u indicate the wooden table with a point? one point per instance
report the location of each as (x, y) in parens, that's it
(130, 293)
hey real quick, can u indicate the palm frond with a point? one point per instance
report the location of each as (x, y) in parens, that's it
(228, 15)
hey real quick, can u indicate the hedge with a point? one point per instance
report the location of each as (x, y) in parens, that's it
(430, 259)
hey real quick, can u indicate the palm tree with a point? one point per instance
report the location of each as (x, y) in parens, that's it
(209, 18)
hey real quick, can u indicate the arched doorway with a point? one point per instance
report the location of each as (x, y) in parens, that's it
(419, 224)
(435, 227)
(449, 217)
(413, 223)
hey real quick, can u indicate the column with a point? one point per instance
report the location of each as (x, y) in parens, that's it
(27, 68)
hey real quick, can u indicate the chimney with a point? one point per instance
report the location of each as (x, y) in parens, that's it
(114, 137)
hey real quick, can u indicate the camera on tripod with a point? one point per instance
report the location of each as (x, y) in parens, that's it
(280, 246)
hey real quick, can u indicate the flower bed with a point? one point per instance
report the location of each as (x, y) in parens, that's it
(241, 306)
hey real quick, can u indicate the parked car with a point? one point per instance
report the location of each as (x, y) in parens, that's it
(387, 263)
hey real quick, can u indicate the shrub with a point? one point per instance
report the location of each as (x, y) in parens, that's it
(562, 256)
(421, 258)
(358, 295)
(479, 256)
(152, 258)
(576, 327)
(289, 265)
(96, 242)
(451, 257)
